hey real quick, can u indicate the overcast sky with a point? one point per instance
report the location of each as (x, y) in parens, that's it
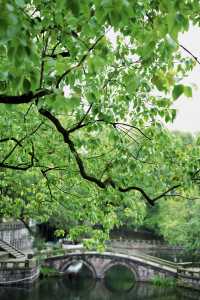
(188, 109)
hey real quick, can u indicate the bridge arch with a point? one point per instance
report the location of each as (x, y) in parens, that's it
(128, 265)
(143, 267)
(73, 260)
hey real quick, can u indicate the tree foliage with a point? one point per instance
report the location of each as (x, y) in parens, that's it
(177, 219)
(80, 115)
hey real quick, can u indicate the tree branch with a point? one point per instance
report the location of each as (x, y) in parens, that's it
(10, 139)
(166, 192)
(134, 127)
(24, 98)
(19, 143)
(79, 63)
(17, 167)
(108, 181)
(190, 53)
(55, 55)
(42, 61)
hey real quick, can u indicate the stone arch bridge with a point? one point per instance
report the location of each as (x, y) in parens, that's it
(143, 267)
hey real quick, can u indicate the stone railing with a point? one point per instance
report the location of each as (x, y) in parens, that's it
(150, 258)
(15, 272)
(50, 253)
(79, 249)
(141, 244)
(14, 264)
(15, 234)
(15, 225)
(189, 278)
(193, 273)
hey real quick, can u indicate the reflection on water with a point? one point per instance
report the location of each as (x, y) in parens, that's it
(89, 289)
(119, 278)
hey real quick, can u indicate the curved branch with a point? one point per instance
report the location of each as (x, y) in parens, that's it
(102, 184)
(136, 188)
(17, 167)
(24, 98)
(134, 127)
(166, 192)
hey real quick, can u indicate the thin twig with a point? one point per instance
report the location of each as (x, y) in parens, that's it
(19, 143)
(79, 63)
(190, 53)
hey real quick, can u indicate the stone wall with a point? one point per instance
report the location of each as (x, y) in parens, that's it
(141, 244)
(16, 234)
(18, 272)
(188, 278)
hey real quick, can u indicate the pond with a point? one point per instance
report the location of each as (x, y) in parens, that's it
(116, 286)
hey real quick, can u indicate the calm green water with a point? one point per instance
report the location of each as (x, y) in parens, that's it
(89, 289)
(61, 289)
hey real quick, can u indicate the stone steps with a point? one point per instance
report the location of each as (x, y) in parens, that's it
(3, 255)
(10, 250)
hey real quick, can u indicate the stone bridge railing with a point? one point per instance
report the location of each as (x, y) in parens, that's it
(141, 244)
(189, 276)
(144, 267)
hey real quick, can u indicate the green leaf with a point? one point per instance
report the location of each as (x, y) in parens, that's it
(19, 3)
(178, 90)
(188, 91)
(173, 114)
(73, 102)
(26, 85)
(171, 42)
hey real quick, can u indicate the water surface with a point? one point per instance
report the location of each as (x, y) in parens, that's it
(90, 289)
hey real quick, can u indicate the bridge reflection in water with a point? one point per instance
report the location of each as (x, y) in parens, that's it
(90, 289)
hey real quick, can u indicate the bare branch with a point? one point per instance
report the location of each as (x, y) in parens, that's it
(24, 98)
(42, 61)
(55, 55)
(57, 168)
(54, 48)
(27, 112)
(80, 123)
(166, 192)
(48, 184)
(10, 139)
(126, 132)
(136, 188)
(20, 167)
(134, 127)
(190, 53)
